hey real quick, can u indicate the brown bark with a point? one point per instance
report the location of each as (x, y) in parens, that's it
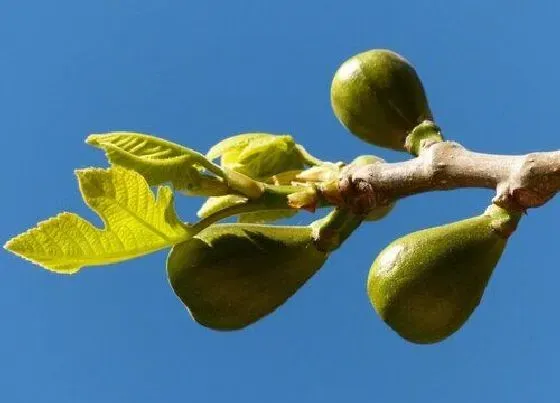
(520, 181)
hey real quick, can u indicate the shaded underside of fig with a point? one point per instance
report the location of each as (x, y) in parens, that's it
(427, 284)
(231, 275)
(378, 96)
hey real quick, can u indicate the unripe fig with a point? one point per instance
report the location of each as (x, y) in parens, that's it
(426, 284)
(378, 97)
(231, 275)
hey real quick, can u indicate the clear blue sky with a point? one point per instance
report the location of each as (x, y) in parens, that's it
(196, 72)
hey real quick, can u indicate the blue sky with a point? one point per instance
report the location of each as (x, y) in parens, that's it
(196, 72)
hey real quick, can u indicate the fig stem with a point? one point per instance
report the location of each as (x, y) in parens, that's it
(520, 181)
(423, 136)
(273, 197)
(504, 221)
(243, 184)
(331, 231)
(247, 207)
(211, 167)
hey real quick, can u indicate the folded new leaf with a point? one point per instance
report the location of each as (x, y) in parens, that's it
(266, 216)
(258, 155)
(136, 223)
(161, 161)
(214, 204)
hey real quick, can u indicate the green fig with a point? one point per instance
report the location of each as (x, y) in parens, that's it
(426, 284)
(231, 275)
(378, 97)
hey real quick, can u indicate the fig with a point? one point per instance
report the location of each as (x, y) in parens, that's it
(231, 275)
(426, 284)
(378, 97)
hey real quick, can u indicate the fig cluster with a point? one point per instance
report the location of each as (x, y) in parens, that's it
(424, 285)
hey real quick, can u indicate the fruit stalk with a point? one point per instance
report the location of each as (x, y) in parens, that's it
(331, 231)
(272, 197)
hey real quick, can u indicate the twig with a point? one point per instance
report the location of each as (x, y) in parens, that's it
(520, 181)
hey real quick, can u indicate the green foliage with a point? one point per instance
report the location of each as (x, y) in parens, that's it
(160, 161)
(424, 285)
(136, 223)
(261, 217)
(214, 204)
(258, 155)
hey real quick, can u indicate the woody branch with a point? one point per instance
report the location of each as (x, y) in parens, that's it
(521, 181)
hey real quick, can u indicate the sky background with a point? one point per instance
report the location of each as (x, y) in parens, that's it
(197, 72)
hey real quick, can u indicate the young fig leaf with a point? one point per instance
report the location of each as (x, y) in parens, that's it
(160, 161)
(136, 223)
(218, 203)
(266, 216)
(258, 155)
(320, 173)
(231, 275)
(426, 284)
(214, 204)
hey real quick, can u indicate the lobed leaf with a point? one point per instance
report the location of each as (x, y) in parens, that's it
(136, 223)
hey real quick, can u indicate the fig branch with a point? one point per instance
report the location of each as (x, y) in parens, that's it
(521, 181)
(424, 285)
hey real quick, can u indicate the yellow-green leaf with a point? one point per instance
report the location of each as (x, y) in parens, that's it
(215, 204)
(258, 155)
(160, 161)
(136, 223)
(266, 216)
(235, 144)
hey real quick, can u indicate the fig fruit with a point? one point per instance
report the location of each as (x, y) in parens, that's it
(378, 97)
(231, 275)
(426, 284)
